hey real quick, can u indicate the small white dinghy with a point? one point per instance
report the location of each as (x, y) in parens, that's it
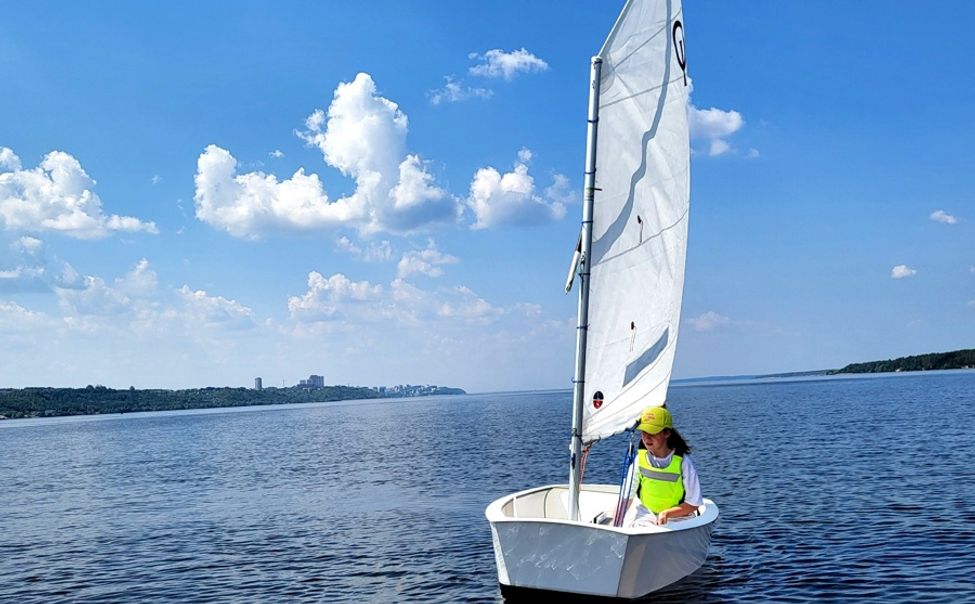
(630, 263)
(536, 545)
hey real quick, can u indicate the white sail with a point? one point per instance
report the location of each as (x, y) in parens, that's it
(640, 217)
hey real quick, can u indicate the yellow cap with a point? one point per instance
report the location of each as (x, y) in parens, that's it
(655, 419)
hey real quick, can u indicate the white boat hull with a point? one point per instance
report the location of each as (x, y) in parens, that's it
(537, 547)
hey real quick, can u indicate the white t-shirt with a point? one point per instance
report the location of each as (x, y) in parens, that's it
(692, 486)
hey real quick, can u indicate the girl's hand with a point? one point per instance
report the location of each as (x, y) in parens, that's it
(663, 516)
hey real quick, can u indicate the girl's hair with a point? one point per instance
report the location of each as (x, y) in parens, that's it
(676, 442)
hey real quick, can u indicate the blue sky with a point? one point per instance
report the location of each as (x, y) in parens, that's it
(200, 193)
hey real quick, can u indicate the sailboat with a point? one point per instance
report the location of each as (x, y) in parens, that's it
(630, 264)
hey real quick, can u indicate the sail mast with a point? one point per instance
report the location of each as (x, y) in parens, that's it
(589, 190)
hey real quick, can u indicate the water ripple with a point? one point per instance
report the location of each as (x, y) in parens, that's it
(830, 490)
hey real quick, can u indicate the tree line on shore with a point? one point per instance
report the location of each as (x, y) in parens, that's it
(48, 402)
(957, 359)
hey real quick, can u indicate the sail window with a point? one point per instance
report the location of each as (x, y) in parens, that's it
(647, 358)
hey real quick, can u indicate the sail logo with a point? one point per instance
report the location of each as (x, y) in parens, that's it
(678, 35)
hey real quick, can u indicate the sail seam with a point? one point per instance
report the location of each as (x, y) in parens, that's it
(636, 94)
(645, 241)
(652, 37)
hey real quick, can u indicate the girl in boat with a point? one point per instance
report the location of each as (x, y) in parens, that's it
(666, 484)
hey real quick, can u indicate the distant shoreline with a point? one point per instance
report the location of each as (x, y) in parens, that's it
(19, 403)
(956, 359)
(935, 361)
(16, 403)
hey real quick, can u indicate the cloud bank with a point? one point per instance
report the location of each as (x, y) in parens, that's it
(338, 303)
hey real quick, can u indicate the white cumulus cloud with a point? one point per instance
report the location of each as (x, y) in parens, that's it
(129, 311)
(455, 92)
(28, 245)
(56, 196)
(901, 271)
(21, 273)
(30, 266)
(718, 147)
(330, 297)
(943, 217)
(215, 311)
(714, 126)
(372, 252)
(424, 262)
(511, 199)
(363, 135)
(248, 205)
(93, 296)
(141, 281)
(9, 162)
(338, 303)
(560, 191)
(708, 321)
(416, 200)
(467, 305)
(499, 64)
(14, 318)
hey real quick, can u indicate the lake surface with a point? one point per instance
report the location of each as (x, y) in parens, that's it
(831, 489)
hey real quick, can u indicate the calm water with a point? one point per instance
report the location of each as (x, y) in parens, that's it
(836, 489)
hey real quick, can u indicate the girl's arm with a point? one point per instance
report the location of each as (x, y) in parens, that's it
(678, 511)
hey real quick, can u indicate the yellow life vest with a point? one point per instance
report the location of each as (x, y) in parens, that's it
(660, 488)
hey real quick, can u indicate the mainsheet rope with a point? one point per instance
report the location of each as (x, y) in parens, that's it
(626, 478)
(582, 468)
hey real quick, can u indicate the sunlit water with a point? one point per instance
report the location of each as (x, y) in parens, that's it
(831, 489)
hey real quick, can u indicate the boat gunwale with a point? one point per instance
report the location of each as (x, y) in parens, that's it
(494, 514)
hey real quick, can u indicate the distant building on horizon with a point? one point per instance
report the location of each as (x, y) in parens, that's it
(313, 382)
(258, 384)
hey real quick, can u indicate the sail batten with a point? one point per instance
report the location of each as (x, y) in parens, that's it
(639, 230)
